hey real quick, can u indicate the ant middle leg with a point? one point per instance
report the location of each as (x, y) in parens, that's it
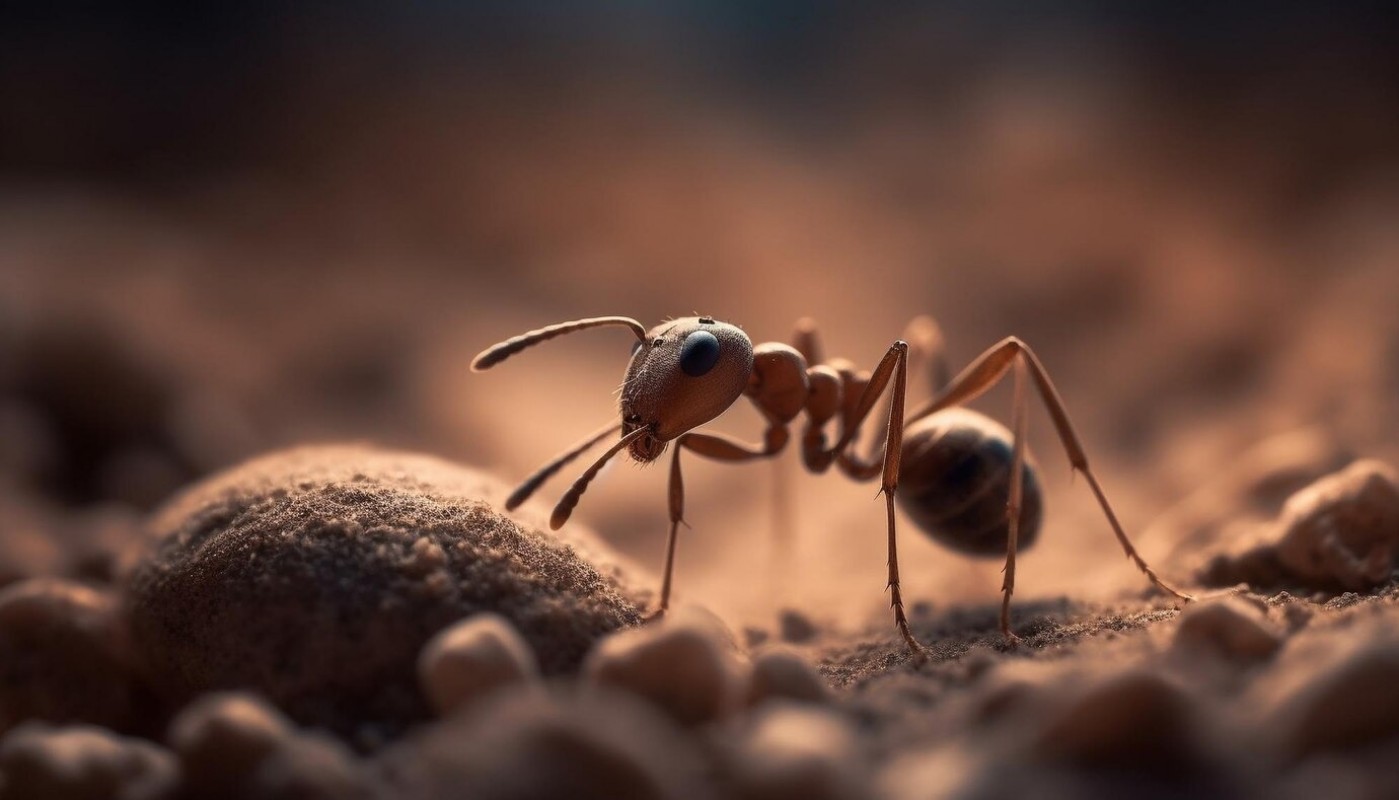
(894, 366)
(926, 353)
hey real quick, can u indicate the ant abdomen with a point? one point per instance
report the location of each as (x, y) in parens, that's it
(955, 480)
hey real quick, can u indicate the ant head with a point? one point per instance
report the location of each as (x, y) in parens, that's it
(687, 372)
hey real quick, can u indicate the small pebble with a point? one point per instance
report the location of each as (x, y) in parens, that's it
(82, 762)
(780, 674)
(62, 658)
(525, 745)
(1339, 533)
(1227, 627)
(1012, 690)
(796, 627)
(944, 770)
(682, 664)
(1354, 701)
(1134, 719)
(471, 659)
(224, 734)
(797, 753)
(235, 745)
(1366, 775)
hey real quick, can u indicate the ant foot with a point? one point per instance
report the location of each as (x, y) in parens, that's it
(1185, 598)
(1012, 641)
(917, 653)
(654, 616)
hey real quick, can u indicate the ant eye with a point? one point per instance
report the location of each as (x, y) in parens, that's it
(699, 353)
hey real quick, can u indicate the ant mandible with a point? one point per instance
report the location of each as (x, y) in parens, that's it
(965, 477)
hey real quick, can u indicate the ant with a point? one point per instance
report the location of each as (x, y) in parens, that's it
(965, 478)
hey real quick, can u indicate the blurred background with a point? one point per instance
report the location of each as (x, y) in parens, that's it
(226, 229)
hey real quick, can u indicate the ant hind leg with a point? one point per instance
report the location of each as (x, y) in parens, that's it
(985, 372)
(1015, 502)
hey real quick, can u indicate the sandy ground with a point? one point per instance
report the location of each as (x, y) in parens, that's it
(1221, 338)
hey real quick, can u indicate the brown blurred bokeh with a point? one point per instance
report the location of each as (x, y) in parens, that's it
(225, 231)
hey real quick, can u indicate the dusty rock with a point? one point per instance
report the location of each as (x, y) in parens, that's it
(62, 658)
(1340, 533)
(1134, 719)
(1352, 701)
(940, 771)
(235, 745)
(1069, 730)
(471, 659)
(797, 752)
(681, 664)
(224, 734)
(796, 627)
(520, 745)
(82, 763)
(1227, 627)
(315, 576)
(1365, 773)
(781, 674)
(28, 547)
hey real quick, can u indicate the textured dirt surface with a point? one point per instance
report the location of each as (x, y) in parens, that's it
(227, 235)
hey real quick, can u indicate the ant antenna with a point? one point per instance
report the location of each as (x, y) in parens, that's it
(497, 353)
(569, 501)
(544, 473)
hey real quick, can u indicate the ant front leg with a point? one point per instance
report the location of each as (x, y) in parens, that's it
(717, 448)
(981, 375)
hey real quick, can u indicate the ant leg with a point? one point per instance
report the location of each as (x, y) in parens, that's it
(984, 372)
(894, 365)
(677, 514)
(718, 448)
(1016, 499)
(925, 350)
